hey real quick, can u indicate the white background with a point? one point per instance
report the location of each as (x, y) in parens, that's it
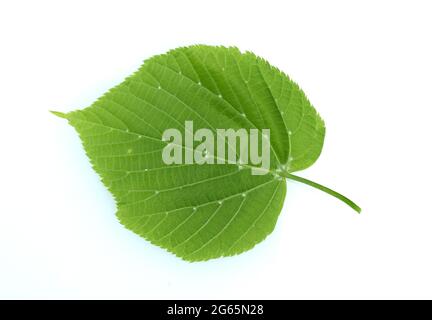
(365, 65)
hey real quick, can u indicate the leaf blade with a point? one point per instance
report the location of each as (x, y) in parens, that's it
(198, 212)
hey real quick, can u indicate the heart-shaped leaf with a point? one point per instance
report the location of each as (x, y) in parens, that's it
(200, 211)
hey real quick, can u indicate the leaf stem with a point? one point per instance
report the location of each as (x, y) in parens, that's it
(322, 188)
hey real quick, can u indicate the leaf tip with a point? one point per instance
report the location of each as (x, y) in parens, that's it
(59, 114)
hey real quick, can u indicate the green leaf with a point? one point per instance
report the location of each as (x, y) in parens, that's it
(199, 212)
